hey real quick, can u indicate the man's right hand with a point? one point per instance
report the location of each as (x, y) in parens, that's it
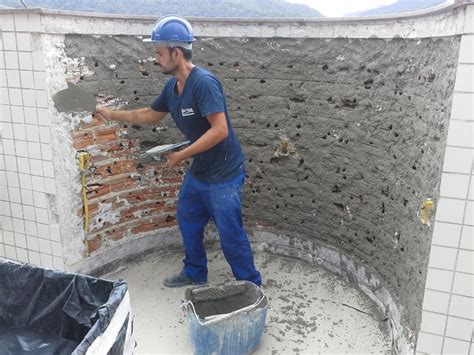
(103, 113)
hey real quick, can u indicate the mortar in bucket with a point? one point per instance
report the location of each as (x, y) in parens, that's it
(226, 318)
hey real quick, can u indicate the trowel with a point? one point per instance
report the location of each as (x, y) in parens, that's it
(74, 99)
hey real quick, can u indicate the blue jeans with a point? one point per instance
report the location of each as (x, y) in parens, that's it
(198, 202)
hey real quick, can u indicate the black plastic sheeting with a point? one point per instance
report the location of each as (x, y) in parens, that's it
(51, 312)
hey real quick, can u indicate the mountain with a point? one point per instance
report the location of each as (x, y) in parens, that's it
(193, 8)
(399, 6)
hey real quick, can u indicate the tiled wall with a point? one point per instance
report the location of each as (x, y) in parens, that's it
(448, 318)
(28, 232)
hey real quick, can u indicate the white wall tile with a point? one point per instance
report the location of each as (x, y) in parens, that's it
(20, 240)
(19, 131)
(29, 213)
(13, 77)
(27, 81)
(5, 114)
(12, 180)
(45, 134)
(56, 249)
(8, 238)
(43, 231)
(23, 41)
(44, 246)
(4, 194)
(38, 183)
(21, 148)
(467, 238)
(442, 257)
(471, 189)
(46, 261)
(42, 215)
(10, 163)
(433, 323)
(15, 97)
(3, 76)
(8, 146)
(40, 199)
(25, 181)
(463, 284)
(22, 255)
(4, 96)
(26, 197)
(463, 106)
(44, 117)
(454, 346)
(458, 160)
(459, 328)
(9, 41)
(18, 114)
(436, 301)
(7, 223)
(50, 186)
(460, 133)
(5, 208)
(30, 228)
(464, 78)
(40, 80)
(469, 215)
(6, 22)
(14, 194)
(23, 165)
(29, 97)
(25, 60)
(450, 210)
(10, 252)
(31, 117)
(2, 251)
(38, 61)
(36, 167)
(42, 98)
(429, 343)
(34, 257)
(465, 261)
(34, 150)
(454, 185)
(11, 61)
(21, 22)
(461, 307)
(48, 169)
(34, 22)
(16, 210)
(32, 242)
(7, 131)
(18, 225)
(32, 133)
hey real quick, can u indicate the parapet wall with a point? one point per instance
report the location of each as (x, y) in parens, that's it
(343, 122)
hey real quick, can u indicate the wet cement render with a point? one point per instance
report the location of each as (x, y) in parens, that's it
(344, 137)
(311, 310)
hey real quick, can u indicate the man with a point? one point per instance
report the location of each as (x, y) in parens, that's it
(212, 188)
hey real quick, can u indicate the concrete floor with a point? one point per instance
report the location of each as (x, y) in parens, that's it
(310, 311)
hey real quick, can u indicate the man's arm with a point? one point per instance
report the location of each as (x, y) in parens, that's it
(214, 135)
(138, 117)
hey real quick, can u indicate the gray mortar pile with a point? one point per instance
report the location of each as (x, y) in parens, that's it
(367, 119)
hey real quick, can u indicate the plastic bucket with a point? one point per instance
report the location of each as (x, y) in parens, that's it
(227, 318)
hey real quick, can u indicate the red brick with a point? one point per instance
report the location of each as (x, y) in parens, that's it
(93, 244)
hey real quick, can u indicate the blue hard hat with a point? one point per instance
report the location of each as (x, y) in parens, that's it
(172, 31)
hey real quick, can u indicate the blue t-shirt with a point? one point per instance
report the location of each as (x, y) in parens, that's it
(202, 95)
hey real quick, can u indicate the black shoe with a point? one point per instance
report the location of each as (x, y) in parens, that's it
(180, 280)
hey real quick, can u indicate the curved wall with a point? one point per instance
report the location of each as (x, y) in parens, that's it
(344, 124)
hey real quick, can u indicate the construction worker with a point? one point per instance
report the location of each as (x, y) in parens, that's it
(212, 188)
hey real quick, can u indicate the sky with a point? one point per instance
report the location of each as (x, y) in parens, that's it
(338, 8)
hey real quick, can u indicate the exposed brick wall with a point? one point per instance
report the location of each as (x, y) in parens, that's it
(138, 197)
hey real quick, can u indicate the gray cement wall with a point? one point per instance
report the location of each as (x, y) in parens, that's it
(344, 137)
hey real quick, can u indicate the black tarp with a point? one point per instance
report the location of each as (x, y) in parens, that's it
(45, 311)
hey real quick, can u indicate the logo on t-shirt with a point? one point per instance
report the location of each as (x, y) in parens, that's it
(187, 112)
